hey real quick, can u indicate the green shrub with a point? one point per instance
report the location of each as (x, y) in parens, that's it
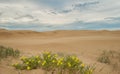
(55, 64)
(7, 51)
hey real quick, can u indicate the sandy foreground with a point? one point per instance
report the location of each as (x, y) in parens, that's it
(87, 45)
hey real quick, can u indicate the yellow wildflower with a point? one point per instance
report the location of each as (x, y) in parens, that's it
(32, 60)
(46, 52)
(82, 65)
(36, 56)
(53, 61)
(69, 64)
(27, 63)
(49, 56)
(28, 68)
(39, 61)
(23, 58)
(43, 63)
(73, 57)
(76, 60)
(91, 71)
(61, 59)
(55, 55)
(59, 63)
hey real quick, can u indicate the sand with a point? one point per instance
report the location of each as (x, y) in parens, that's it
(86, 44)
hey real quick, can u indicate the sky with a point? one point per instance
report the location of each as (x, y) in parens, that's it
(47, 15)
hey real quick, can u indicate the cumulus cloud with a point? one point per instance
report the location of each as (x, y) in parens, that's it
(59, 13)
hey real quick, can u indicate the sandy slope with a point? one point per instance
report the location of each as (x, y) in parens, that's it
(87, 45)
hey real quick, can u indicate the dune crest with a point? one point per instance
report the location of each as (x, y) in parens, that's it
(59, 33)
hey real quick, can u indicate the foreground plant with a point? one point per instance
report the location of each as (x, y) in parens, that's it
(55, 64)
(49, 61)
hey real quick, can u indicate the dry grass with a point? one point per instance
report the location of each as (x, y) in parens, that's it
(111, 58)
(7, 51)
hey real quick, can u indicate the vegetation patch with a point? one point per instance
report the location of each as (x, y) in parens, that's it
(104, 57)
(54, 64)
(112, 58)
(7, 51)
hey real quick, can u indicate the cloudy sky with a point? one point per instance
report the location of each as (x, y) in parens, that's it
(46, 15)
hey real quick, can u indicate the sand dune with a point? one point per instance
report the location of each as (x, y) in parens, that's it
(59, 33)
(86, 44)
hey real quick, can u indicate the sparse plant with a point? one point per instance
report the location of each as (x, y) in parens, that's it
(104, 57)
(112, 58)
(7, 51)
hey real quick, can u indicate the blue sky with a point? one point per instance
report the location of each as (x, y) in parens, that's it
(47, 15)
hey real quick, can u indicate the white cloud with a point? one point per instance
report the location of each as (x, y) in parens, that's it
(41, 12)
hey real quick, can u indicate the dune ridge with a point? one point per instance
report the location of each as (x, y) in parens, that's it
(60, 33)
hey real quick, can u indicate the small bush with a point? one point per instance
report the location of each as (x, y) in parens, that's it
(7, 51)
(112, 58)
(104, 57)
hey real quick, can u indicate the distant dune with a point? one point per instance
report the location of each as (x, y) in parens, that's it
(86, 44)
(58, 33)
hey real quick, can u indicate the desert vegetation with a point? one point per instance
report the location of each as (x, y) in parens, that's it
(7, 52)
(49, 62)
(55, 64)
(111, 58)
